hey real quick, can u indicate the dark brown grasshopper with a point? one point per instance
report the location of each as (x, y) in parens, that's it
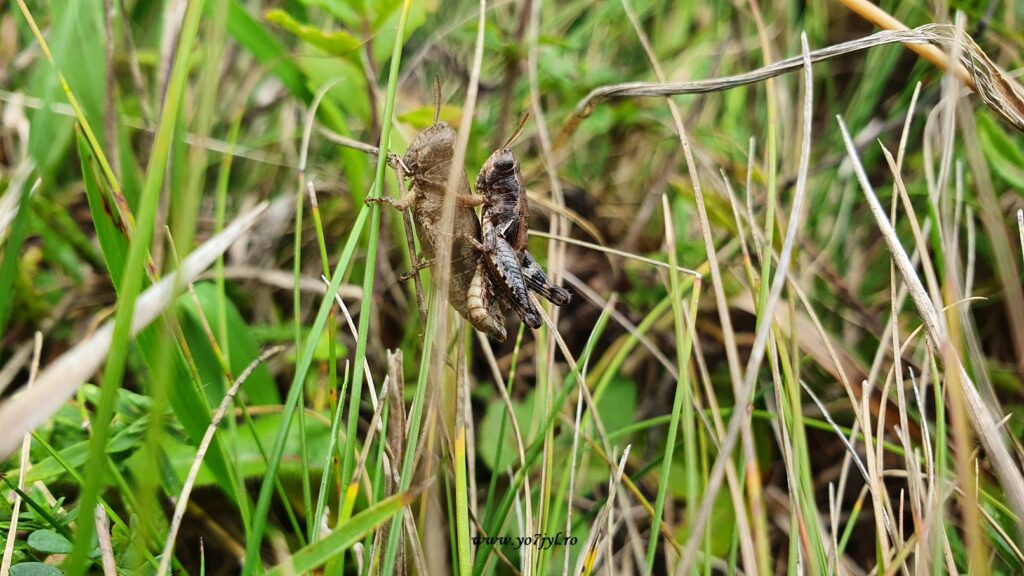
(427, 162)
(504, 231)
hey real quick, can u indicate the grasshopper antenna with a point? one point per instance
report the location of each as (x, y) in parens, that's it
(519, 130)
(437, 97)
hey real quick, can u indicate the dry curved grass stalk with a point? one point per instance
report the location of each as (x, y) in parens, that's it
(1001, 93)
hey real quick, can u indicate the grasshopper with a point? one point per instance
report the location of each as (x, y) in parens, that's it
(504, 231)
(427, 162)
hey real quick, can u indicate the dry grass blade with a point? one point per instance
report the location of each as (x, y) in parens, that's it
(1020, 230)
(442, 270)
(395, 441)
(499, 382)
(874, 14)
(587, 560)
(410, 244)
(28, 409)
(621, 319)
(26, 444)
(571, 215)
(985, 188)
(581, 374)
(347, 142)
(190, 138)
(982, 419)
(842, 438)
(12, 196)
(997, 89)
(285, 280)
(616, 252)
(105, 543)
(572, 465)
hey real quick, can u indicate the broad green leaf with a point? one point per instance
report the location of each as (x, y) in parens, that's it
(1002, 152)
(242, 347)
(111, 237)
(130, 177)
(489, 439)
(250, 461)
(35, 569)
(83, 64)
(74, 456)
(49, 542)
(129, 437)
(617, 406)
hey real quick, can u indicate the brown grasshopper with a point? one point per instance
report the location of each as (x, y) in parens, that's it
(427, 162)
(512, 269)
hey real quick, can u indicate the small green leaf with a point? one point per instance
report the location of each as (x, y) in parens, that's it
(339, 43)
(35, 569)
(340, 9)
(489, 439)
(49, 542)
(617, 406)
(1002, 152)
(128, 437)
(424, 116)
(323, 348)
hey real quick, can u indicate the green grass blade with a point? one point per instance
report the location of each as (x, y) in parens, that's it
(681, 406)
(12, 250)
(259, 524)
(319, 552)
(371, 269)
(131, 285)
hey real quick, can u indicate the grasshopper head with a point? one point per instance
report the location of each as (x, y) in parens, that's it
(433, 146)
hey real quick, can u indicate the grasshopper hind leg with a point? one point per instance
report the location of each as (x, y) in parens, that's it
(507, 275)
(538, 282)
(505, 265)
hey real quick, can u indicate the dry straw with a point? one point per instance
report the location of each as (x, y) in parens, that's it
(997, 90)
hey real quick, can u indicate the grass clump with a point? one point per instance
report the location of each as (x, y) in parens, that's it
(795, 342)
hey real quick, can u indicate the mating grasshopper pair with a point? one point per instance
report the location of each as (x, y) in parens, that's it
(490, 266)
